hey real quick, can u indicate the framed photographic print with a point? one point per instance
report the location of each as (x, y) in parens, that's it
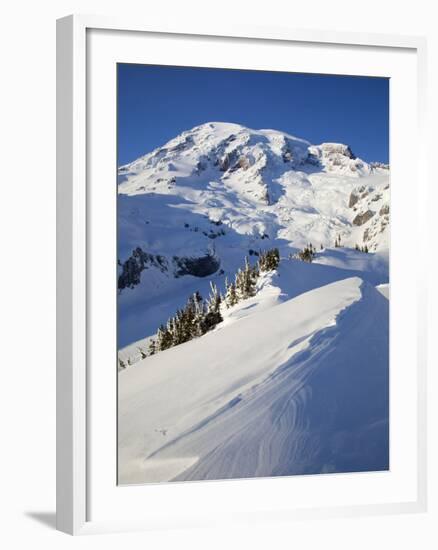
(237, 301)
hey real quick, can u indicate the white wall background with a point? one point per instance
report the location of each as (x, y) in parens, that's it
(27, 200)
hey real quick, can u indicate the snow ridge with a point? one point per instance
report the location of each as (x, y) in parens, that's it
(259, 408)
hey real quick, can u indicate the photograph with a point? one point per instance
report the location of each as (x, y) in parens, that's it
(253, 250)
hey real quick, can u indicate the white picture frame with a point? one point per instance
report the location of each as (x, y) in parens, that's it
(75, 216)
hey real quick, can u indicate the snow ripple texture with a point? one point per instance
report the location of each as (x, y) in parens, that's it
(307, 394)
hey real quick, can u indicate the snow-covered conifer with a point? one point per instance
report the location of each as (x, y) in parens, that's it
(249, 280)
(213, 315)
(240, 285)
(164, 339)
(152, 347)
(231, 298)
(199, 314)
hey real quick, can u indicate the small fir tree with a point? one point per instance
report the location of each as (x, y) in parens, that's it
(213, 315)
(164, 339)
(231, 298)
(152, 347)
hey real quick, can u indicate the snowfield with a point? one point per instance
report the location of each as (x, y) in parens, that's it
(221, 190)
(296, 387)
(295, 380)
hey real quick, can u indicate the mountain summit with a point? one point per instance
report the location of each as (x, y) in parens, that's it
(259, 159)
(268, 182)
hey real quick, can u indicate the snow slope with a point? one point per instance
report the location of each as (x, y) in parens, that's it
(143, 312)
(295, 379)
(299, 385)
(220, 190)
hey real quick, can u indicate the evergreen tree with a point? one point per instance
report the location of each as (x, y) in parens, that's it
(307, 254)
(164, 339)
(160, 337)
(275, 258)
(170, 327)
(215, 299)
(199, 314)
(231, 298)
(213, 315)
(188, 319)
(152, 347)
(240, 285)
(227, 289)
(249, 280)
(122, 364)
(262, 261)
(178, 328)
(199, 302)
(142, 353)
(270, 260)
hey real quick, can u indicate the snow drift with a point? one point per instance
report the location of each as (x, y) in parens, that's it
(298, 388)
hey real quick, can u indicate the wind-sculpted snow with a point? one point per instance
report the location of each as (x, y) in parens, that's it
(292, 385)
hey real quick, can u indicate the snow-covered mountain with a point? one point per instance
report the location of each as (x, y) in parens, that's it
(193, 208)
(260, 183)
(294, 378)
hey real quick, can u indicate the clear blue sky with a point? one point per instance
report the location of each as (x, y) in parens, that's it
(157, 103)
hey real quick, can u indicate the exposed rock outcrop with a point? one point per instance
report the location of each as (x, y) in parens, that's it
(360, 219)
(198, 267)
(179, 266)
(384, 210)
(132, 268)
(353, 199)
